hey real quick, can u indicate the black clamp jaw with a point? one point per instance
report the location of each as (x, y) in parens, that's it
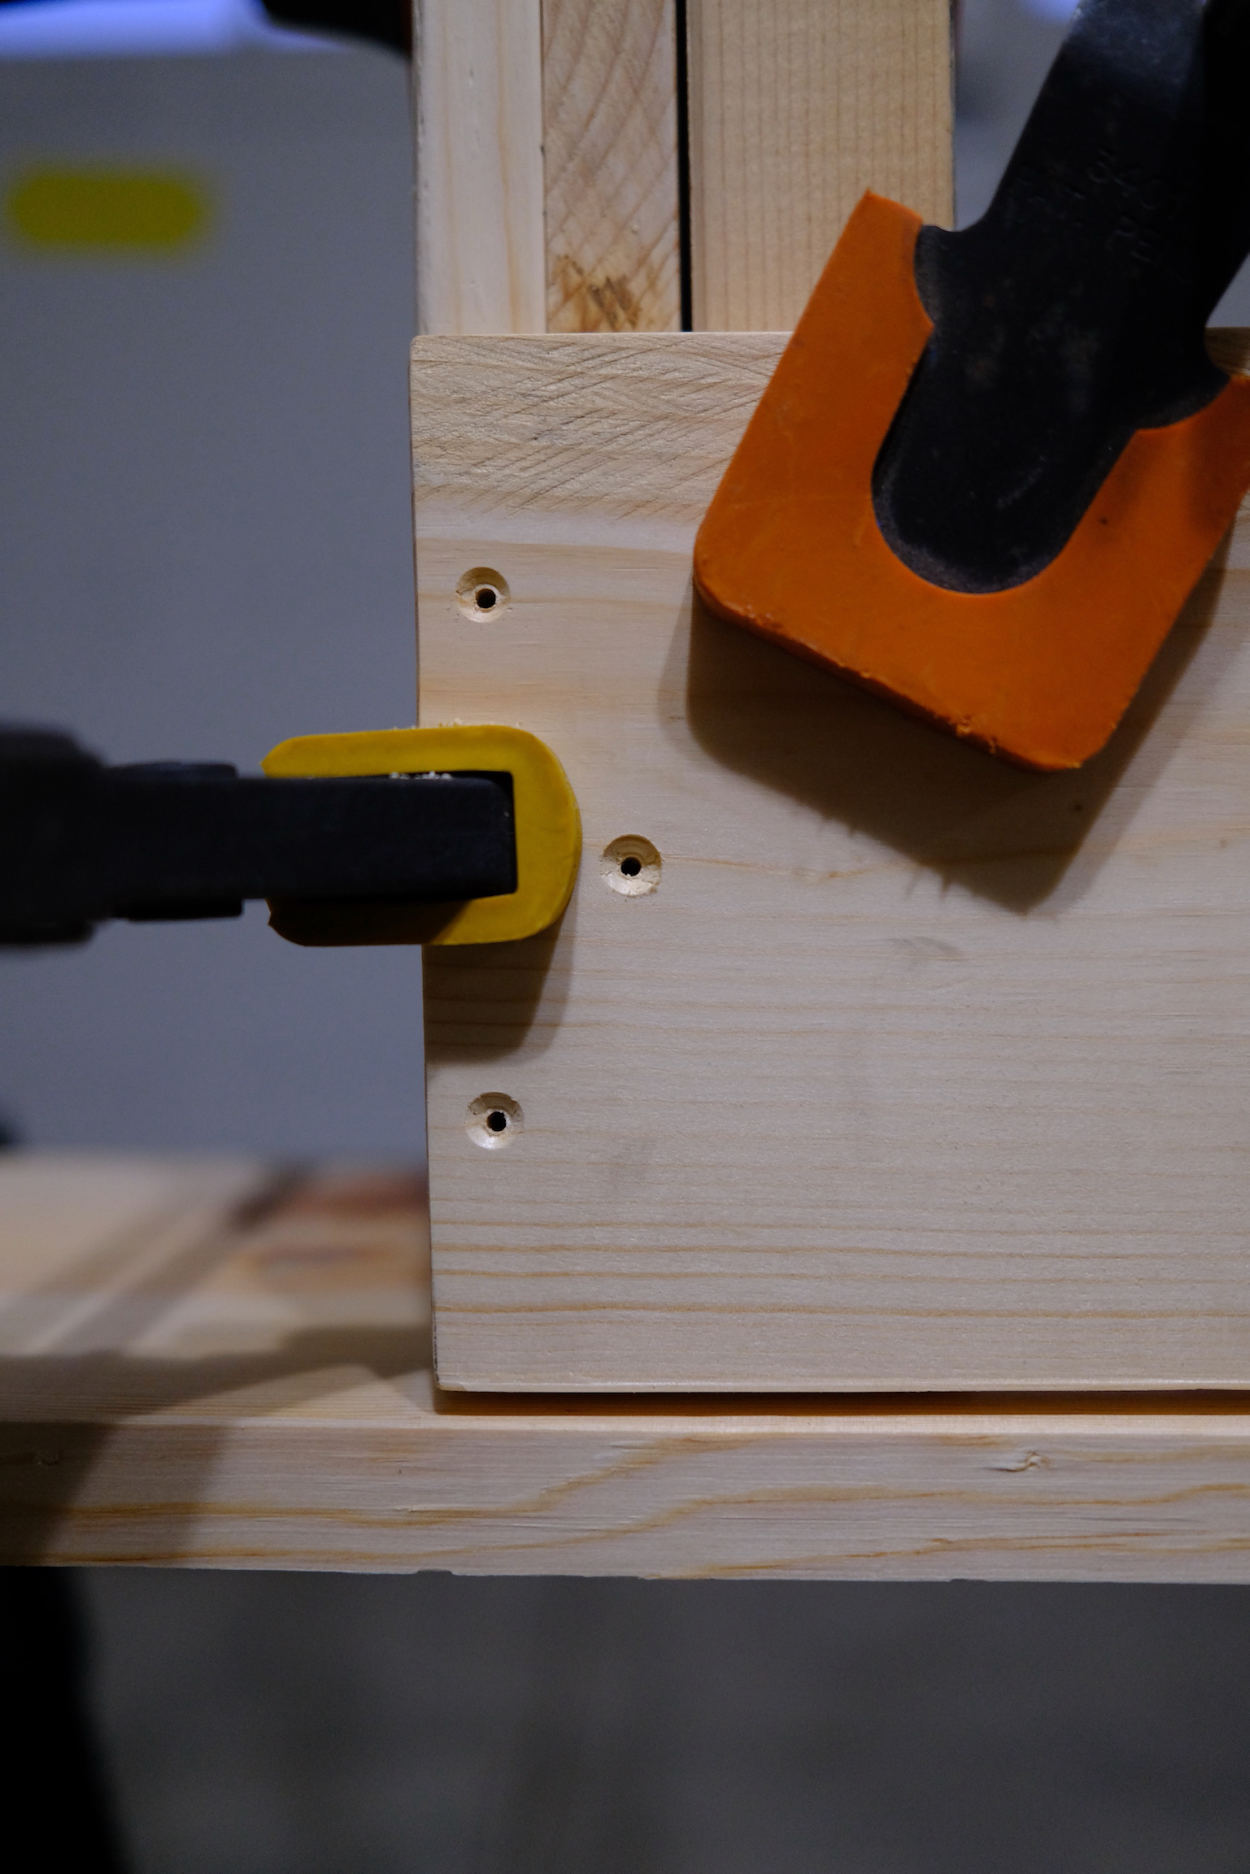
(81, 842)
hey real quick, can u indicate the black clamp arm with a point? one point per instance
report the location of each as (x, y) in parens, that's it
(81, 842)
(1073, 312)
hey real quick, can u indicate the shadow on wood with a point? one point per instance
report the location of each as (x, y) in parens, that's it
(483, 1001)
(995, 830)
(201, 1328)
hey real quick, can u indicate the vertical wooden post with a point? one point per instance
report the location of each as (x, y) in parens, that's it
(610, 154)
(479, 166)
(796, 107)
(547, 161)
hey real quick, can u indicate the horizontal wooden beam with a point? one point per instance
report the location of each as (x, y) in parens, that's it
(219, 1364)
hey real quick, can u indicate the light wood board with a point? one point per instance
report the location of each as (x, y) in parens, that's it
(477, 74)
(916, 1071)
(224, 1365)
(610, 161)
(797, 107)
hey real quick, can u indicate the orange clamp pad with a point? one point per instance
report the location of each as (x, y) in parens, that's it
(790, 546)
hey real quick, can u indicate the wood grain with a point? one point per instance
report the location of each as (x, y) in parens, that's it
(916, 1071)
(225, 1365)
(796, 107)
(610, 160)
(479, 166)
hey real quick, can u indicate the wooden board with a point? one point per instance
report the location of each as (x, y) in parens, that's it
(797, 107)
(226, 1365)
(479, 166)
(915, 1071)
(610, 162)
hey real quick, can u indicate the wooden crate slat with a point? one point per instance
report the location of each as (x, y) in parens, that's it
(610, 161)
(479, 166)
(797, 107)
(916, 1070)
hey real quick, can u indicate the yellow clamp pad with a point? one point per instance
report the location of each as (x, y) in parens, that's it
(548, 834)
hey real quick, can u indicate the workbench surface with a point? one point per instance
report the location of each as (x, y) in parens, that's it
(223, 1363)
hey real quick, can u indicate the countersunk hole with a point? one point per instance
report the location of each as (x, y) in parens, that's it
(493, 1120)
(630, 866)
(482, 593)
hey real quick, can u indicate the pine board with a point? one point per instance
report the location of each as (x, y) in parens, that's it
(610, 164)
(478, 108)
(916, 1072)
(797, 107)
(226, 1365)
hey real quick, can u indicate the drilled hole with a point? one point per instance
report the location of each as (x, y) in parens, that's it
(482, 593)
(630, 866)
(493, 1120)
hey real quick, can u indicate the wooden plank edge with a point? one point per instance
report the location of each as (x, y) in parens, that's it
(610, 160)
(480, 255)
(266, 1401)
(947, 1490)
(885, 1497)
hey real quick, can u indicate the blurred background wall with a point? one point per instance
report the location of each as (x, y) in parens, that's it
(204, 547)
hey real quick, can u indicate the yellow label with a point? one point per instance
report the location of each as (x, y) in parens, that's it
(139, 210)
